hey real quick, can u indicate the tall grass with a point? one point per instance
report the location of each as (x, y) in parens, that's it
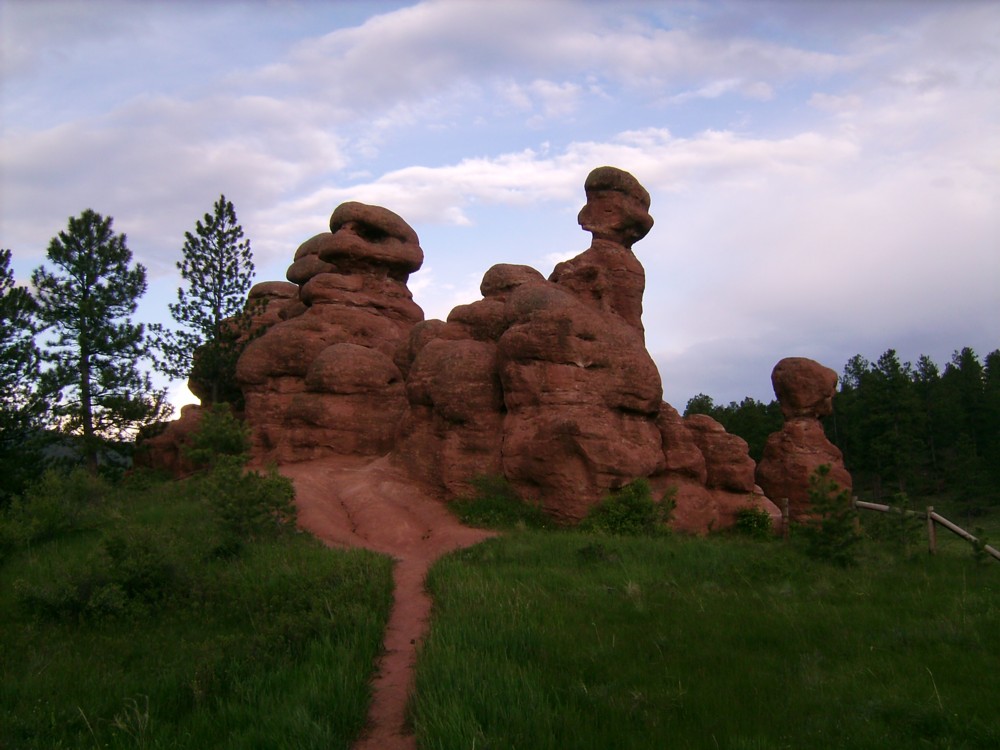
(148, 626)
(556, 640)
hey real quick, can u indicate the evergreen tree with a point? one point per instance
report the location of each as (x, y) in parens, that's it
(20, 405)
(991, 418)
(969, 429)
(86, 300)
(893, 408)
(700, 404)
(218, 269)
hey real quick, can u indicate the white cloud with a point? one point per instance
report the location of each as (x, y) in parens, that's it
(856, 199)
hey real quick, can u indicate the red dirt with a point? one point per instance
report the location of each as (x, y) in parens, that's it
(372, 504)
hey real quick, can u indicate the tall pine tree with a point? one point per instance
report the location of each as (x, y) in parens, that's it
(218, 269)
(20, 405)
(86, 300)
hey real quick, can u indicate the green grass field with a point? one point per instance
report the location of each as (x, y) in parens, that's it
(165, 615)
(145, 624)
(558, 640)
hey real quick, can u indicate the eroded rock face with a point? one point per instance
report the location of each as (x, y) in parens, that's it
(608, 276)
(165, 451)
(805, 390)
(582, 396)
(323, 379)
(546, 381)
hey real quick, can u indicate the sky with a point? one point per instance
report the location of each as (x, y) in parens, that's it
(825, 177)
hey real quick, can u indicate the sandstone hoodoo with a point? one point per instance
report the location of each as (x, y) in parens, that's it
(546, 381)
(804, 389)
(322, 378)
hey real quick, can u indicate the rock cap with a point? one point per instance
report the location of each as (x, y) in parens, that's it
(371, 235)
(617, 207)
(804, 387)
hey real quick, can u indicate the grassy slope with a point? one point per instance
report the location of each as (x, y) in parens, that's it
(555, 640)
(269, 646)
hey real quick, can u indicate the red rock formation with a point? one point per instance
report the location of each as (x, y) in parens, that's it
(165, 451)
(546, 381)
(323, 380)
(710, 470)
(608, 276)
(805, 390)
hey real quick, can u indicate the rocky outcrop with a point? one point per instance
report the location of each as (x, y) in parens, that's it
(546, 381)
(164, 451)
(323, 378)
(805, 390)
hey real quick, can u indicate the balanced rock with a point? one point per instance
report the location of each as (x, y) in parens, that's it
(608, 276)
(804, 387)
(805, 391)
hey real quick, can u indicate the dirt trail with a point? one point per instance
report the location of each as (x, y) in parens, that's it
(361, 503)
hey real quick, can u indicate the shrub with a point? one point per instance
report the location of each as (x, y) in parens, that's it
(494, 504)
(130, 574)
(219, 434)
(56, 504)
(248, 504)
(753, 521)
(631, 511)
(831, 533)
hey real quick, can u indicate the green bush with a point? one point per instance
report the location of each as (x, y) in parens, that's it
(832, 532)
(247, 504)
(130, 574)
(631, 511)
(57, 503)
(219, 434)
(753, 521)
(494, 504)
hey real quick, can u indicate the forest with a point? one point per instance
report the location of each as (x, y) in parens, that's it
(908, 429)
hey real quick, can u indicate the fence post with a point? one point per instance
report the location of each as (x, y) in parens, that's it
(931, 531)
(784, 518)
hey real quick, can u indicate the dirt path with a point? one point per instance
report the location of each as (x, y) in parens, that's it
(354, 503)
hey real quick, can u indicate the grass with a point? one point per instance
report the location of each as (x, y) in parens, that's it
(160, 615)
(554, 640)
(148, 625)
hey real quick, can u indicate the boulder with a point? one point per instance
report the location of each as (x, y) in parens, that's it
(804, 387)
(805, 391)
(165, 450)
(728, 465)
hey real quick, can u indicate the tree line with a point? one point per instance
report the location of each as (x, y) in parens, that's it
(902, 427)
(75, 368)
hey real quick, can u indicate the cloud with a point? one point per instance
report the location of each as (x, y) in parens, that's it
(855, 201)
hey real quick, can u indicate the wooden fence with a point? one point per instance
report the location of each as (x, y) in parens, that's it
(933, 519)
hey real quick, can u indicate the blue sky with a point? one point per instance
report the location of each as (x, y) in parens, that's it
(825, 177)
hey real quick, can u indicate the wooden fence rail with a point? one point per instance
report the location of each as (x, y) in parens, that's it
(932, 519)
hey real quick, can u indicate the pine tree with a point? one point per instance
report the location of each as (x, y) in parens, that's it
(218, 268)
(20, 405)
(86, 300)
